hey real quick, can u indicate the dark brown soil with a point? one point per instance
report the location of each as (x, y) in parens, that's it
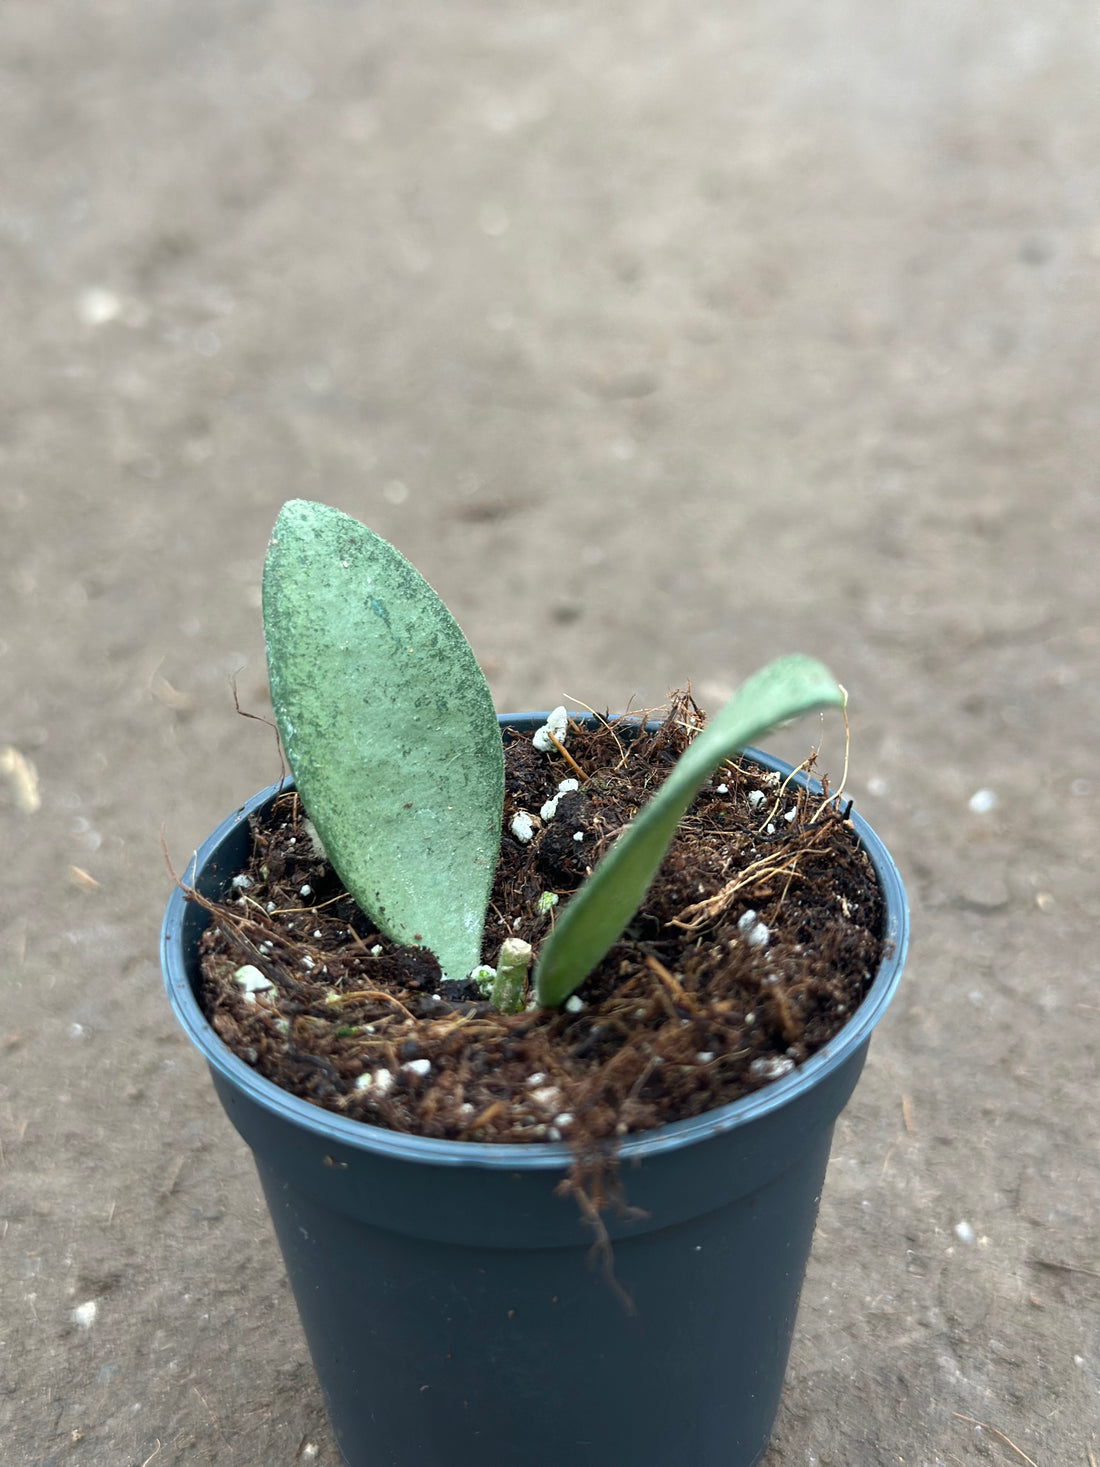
(754, 945)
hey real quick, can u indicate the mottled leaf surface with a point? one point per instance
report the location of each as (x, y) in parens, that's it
(598, 914)
(389, 728)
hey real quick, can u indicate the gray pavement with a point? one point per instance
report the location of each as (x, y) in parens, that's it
(662, 339)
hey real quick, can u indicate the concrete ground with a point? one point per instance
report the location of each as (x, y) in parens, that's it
(662, 339)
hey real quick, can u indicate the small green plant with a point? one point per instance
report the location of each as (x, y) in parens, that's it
(390, 732)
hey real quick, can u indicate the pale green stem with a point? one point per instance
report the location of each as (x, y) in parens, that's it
(511, 979)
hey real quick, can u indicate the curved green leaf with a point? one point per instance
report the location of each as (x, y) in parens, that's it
(597, 915)
(388, 727)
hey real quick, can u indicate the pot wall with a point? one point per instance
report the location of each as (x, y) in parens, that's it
(452, 1308)
(440, 1355)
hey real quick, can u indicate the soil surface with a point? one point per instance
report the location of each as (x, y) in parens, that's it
(756, 941)
(663, 340)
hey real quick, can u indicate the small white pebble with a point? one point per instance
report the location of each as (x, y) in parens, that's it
(306, 890)
(704, 1057)
(417, 1066)
(567, 786)
(771, 1069)
(553, 1134)
(252, 980)
(84, 1314)
(574, 1004)
(750, 1020)
(772, 779)
(759, 935)
(436, 998)
(558, 725)
(549, 810)
(982, 801)
(769, 828)
(548, 1095)
(242, 882)
(578, 835)
(522, 827)
(317, 932)
(536, 1079)
(790, 816)
(380, 1080)
(96, 305)
(756, 798)
(271, 906)
(376, 950)
(307, 963)
(564, 1120)
(746, 920)
(964, 1232)
(723, 789)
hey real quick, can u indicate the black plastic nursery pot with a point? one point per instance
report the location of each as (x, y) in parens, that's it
(448, 1293)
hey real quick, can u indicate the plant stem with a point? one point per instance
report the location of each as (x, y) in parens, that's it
(511, 979)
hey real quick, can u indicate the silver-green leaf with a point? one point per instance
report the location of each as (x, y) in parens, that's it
(389, 729)
(598, 914)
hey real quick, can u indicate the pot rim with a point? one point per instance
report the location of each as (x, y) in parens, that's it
(513, 1156)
